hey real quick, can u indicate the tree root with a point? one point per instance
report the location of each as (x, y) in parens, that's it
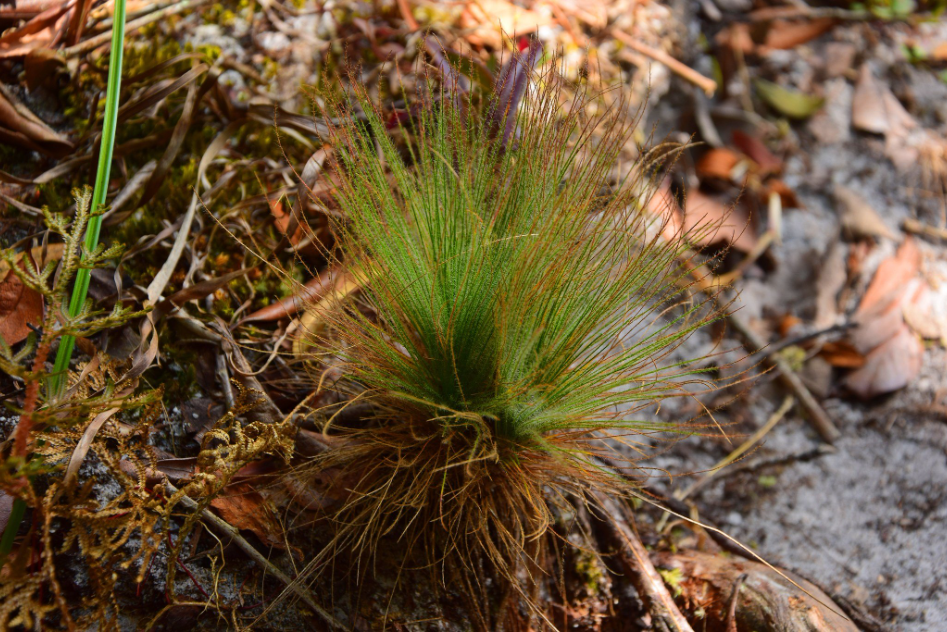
(737, 595)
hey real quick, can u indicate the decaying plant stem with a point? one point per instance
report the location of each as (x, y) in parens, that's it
(21, 441)
(635, 561)
(232, 532)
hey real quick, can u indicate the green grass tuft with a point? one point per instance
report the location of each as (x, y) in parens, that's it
(509, 289)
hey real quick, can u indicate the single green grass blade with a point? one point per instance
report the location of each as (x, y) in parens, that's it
(81, 288)
(13, 525)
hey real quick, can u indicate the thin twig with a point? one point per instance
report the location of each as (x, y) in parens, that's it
(920, 228)
(732, 610)
(740, 451)
(94, 42)
(228, 529)
(635, 561)
(708, 85)
(817, 418)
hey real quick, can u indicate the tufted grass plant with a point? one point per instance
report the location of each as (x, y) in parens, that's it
(519, 305)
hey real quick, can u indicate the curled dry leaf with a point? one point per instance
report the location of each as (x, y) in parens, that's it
(894, 353)
(858, 216)
(246, 509)
(717, 163)
(889, 367)
(713, 223)
(42, 31)
(19, 126)
(784, 34)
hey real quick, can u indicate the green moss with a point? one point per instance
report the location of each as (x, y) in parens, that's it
(589, 570)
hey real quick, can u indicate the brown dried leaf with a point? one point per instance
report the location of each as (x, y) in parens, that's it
(889, 367)
(842, 354)
(875, 109)
(21, 123)
(711, 223)
(717, 163)
(783, 34)
(858, 217)
(42, 31)
(891, 277)
(246, 509)
(311, 292)
(20, 307)
(757, 151)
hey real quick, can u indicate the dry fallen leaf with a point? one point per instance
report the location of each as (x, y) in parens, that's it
(858, 217)
(20, 307)
(757, 151)
(246, 509)
(19, 126)
(842, 354)
(875, 109)
(487, 20)
(868, 107)
(831, 280)
(309, 294)
(717, 163)
(894, 353)
(889, 367)
(709, 222)
(891, 277)
(919, 314)
(783, 34)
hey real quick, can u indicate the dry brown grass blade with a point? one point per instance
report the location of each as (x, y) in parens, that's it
(82, 448)
(133, 25)
(42, 31)
(194, 96)
(160, 281)
(156, 94)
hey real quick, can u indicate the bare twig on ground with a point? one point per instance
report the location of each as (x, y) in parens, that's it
(740, 451)
(229, 530)
(817, 418)
(920, 228)
(94, 42)
(708, 85)
(634, 559)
